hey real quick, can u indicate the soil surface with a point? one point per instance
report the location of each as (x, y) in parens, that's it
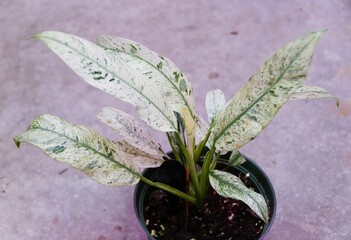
(219, 218)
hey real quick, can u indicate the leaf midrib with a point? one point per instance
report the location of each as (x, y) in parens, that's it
(130, 132)
(89, 148)
(113, 74)
(260, 97)
(224, 181)
(155, 67)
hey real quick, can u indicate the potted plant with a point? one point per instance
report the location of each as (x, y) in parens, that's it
(162, 96)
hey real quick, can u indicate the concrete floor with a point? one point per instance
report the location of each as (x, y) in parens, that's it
(305, 151)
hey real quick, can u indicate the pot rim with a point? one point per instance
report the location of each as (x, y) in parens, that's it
(256, 175)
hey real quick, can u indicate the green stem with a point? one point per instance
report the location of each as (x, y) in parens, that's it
(171, 190)
(174, 150)
(191, 164)
(201, 146)
(204, 173)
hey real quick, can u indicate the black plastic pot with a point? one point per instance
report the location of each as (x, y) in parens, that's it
(250, 169)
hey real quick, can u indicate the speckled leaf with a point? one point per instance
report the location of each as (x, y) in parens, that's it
(215, 102)
(258, 101)
(124, 76)
(162, 70)
(228, 185)
(132, 131)
(140, 158)
(81, 147)
(236, 158)
(309, 92)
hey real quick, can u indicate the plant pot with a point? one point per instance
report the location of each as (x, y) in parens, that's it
(249, 169)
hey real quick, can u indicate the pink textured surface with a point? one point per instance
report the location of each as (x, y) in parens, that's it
(218, 44)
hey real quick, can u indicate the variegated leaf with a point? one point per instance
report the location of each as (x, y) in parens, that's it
(81, 147)
(258, 101)
(202, 129)
(309, 92)
(230, 186)
(159, 67)
(215, 102)
(236, 158)
(132, 131)
(140, 158)
(190, 129)
(123, 75)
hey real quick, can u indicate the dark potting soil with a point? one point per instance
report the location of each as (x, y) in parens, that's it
(219, 218)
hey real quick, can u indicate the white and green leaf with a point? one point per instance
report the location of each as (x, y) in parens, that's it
(230, 186)
(190, 127)
(160, 68)
(312, 92)
(139, 157)
(131, 131)
(125, 76)
(215, 102)
(258, 101)
(201, 131)
(81, 147)
(236, 158)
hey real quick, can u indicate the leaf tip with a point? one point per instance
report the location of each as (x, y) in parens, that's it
(37, 36)
(320, 33)
(45, 34)
(17, 141)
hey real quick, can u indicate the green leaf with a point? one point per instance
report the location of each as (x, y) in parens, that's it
(122, 75)
(230, 186)
(177, 87)
(310, 92)
(215, 102)
(81, 147)
(131, 131)
(258, 101)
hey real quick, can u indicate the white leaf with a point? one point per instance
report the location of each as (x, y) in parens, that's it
(83, 148)
(176, 85)
(132, 131)
(125, 76)
(228, 185)
(215, 102)
(310, 92)
(140, 158)
(236, 158)
(258, 101)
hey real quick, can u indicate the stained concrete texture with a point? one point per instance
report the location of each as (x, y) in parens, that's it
(218, 44)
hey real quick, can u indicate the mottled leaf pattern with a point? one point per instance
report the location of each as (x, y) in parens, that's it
(215, 102)
(310, 92)
(129, 78)
(140, 158)
(132, 131)
(258, 101)
(228, 185)
(163, 99)
(175, 84)
(236, 158)
(83, 148)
